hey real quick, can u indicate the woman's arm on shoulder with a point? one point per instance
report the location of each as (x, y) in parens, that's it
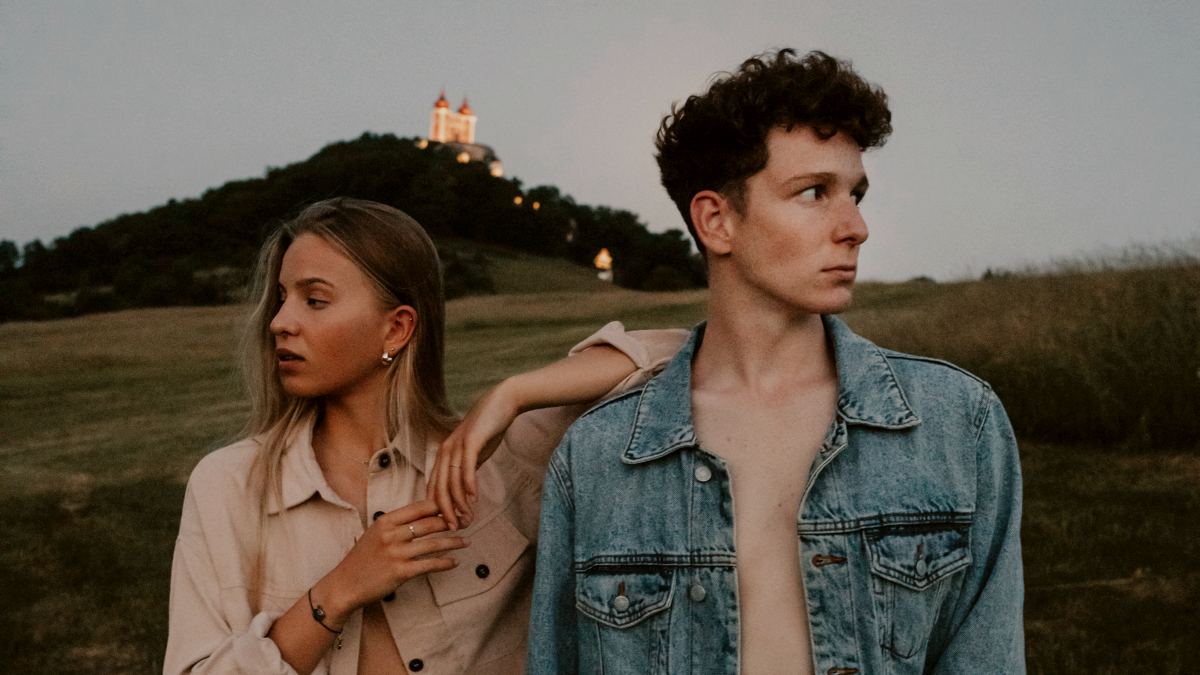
(608, 362)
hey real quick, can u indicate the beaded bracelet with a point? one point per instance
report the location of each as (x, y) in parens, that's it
(318, 615)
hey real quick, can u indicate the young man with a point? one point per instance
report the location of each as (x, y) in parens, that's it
(785, 497)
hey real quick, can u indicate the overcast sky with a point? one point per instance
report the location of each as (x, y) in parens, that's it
(1023, 131)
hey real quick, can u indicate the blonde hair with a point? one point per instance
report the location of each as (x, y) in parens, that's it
(402, 263)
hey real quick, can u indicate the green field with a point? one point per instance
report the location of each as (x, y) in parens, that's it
(102, 418)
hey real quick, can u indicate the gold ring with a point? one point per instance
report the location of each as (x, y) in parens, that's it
(456, 466)
(413, 531)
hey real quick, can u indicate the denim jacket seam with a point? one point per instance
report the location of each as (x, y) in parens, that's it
(561, 481)
(983, 413)
(890, 354)
(898, 519)
(654, 561)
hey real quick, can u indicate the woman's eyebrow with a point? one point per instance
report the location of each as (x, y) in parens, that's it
(311, 281)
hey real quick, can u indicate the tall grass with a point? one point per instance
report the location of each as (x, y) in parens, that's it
(1107, 357)
(102, 418)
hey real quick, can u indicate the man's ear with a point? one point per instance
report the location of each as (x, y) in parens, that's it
(712, 219)
(402, 324)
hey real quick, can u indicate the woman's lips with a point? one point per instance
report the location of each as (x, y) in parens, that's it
(287, 359)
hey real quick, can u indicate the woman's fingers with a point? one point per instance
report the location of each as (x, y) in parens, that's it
(456, 488)
(428, 565)
(410, 513)
(426, 545)
(422, 527)
(441, 485)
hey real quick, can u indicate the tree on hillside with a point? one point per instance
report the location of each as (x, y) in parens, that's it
(10, 257)
(165, 255)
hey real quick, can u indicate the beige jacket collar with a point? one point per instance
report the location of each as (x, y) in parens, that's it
(303, 477)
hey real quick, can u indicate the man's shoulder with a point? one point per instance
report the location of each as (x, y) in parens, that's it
(622, 408)
(917, 367)
(929, 382)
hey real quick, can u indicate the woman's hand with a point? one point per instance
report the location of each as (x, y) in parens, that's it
(394, 549)
(452, 484)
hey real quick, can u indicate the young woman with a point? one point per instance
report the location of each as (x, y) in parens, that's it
(310, 546)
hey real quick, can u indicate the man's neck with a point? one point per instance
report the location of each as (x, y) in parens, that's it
(760, 350)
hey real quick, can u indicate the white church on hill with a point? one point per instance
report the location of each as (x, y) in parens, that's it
(456, 129)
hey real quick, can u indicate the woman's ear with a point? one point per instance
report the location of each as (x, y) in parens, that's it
(402, 324)
(712, 219)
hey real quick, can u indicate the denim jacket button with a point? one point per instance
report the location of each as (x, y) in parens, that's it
(620, 603)
(697, 593)
(921, 567)
(703, 473)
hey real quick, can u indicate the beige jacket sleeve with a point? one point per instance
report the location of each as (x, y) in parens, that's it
(211, 625)
(533, 436)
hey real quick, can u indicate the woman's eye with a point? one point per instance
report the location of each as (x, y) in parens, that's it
(317, 303)
(811, 194)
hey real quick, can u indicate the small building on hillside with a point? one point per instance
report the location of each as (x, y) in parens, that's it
(456, 129)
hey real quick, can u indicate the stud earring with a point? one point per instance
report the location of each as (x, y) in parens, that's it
(387, 358)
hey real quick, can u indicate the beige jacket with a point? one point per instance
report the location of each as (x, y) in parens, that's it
(471, 619)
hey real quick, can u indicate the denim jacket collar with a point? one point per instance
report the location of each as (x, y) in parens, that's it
(868, 394)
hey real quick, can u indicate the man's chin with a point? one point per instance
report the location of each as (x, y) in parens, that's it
(835, 303)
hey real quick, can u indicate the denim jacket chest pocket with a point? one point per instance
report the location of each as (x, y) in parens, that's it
(912, 569)
(629, 613)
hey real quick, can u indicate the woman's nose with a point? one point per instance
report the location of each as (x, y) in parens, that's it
(282, 322)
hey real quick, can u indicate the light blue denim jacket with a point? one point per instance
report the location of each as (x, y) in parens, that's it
(908, 533)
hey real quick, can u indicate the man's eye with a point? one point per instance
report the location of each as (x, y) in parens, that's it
(811, 194)
(859, 196)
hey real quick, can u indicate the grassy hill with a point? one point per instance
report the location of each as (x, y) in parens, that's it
(102, 418)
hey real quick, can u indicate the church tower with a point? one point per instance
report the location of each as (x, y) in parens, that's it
(466, 123)
(439, 120)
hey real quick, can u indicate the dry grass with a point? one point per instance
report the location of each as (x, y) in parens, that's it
(1110, 357)
(102, 418)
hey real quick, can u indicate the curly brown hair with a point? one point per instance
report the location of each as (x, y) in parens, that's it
(716, 140)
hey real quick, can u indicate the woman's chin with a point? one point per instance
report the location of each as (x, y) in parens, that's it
(298, 389)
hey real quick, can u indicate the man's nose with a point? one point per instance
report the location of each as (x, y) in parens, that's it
(852, 228)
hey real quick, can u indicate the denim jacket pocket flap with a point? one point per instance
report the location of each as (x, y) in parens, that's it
(917, 557)
(623, 599)
(496, 546)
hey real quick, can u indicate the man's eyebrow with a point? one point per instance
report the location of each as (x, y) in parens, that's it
(820, 176)
(824, 177)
